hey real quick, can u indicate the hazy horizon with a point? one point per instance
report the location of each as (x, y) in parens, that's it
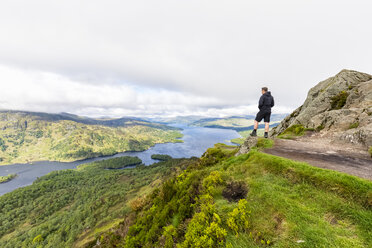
(144, 117)
(175, 58)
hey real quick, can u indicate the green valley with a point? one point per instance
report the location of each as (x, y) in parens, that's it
(27, 136)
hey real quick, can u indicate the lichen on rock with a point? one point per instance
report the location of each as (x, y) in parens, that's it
(248, 144)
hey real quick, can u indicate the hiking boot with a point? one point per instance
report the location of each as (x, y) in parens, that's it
(266, 135)
(254, 133)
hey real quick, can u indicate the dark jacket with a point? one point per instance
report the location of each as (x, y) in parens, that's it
(266, 102)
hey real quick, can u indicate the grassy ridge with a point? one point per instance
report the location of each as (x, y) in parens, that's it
(289, 204)
(26, 138)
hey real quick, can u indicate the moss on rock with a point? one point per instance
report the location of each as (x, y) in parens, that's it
(293, 131)
(339, 101)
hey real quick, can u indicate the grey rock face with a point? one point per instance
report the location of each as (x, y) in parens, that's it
(247, 146)
(350, 121)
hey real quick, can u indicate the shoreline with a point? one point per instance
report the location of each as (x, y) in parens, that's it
(195, 139)
(178, 140)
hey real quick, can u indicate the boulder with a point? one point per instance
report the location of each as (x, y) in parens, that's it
(340, 107)
(247, 145)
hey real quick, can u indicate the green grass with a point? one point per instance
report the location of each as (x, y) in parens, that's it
(339, 101)
(292, 201)
(7, 178)
(238, 141)
(292, 132)
(319, 128)
(287, 202)
(354, 125)
(263, 143)
(370, 150)
(297, 131)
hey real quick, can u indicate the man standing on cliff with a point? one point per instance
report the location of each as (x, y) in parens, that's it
(265, 104)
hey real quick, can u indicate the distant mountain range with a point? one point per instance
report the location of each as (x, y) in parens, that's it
(111, 122)
(173, 120)
(237, 123)
(197, 120)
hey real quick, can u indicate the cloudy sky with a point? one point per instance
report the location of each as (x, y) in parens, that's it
(146, 58)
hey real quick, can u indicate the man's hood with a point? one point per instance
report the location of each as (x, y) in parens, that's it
(268, 93)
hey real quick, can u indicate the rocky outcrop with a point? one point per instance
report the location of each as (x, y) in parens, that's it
(339, 107)
(247, 145)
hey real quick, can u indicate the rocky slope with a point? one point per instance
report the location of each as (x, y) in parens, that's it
(339, 108)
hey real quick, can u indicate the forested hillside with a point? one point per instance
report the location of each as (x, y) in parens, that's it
(70, 207)
(27, 136)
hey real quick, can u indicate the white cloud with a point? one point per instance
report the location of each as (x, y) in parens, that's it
(196, 56)
(45, 91)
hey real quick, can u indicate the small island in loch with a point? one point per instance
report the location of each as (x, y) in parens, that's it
(161, 157)
(4, 179)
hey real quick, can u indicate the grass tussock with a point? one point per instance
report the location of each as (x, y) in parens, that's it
(339, 101)
(319, 128)
(292, 132)
(263, 143)
(354, 125)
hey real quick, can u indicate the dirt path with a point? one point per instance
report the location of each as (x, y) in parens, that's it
(324, 154)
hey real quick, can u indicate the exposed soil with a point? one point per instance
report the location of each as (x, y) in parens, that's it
(235, 190)
(323, 153)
